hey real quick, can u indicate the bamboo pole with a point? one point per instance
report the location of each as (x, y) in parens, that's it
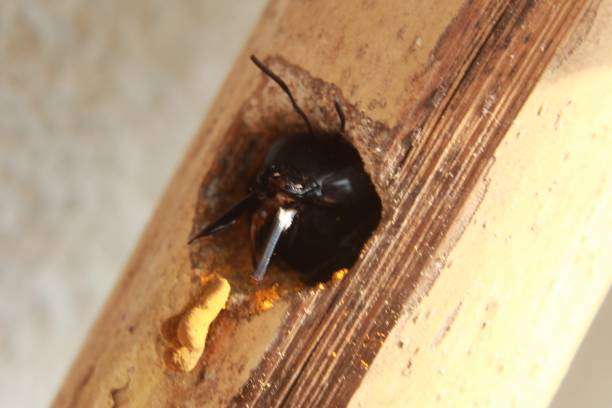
(487, 266)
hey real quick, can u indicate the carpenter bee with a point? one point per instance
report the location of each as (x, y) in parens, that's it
(312, 204)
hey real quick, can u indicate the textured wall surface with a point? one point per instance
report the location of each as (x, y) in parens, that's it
(98, 101)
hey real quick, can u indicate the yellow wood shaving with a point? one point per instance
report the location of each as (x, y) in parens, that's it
(266, 298)
(339, 275)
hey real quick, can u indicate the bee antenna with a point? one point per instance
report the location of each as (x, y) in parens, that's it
(285, 88)
(282, 221)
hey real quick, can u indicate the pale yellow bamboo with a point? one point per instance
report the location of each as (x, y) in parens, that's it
(504, 319)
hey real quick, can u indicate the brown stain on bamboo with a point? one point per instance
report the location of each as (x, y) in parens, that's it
(448, 323)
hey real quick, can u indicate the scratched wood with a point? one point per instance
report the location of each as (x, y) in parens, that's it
(431, 90)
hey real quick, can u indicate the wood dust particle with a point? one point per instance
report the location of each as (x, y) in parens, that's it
(266, 298)
(339, 275)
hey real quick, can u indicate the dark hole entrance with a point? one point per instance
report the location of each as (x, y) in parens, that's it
(336, 206)
(309, 210)
(313, 173)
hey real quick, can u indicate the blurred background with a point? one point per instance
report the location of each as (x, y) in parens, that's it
(98, 101)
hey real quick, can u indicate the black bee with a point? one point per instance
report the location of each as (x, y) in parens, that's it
(312, 204)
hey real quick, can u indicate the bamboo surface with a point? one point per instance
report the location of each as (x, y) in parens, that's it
(490, 259)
